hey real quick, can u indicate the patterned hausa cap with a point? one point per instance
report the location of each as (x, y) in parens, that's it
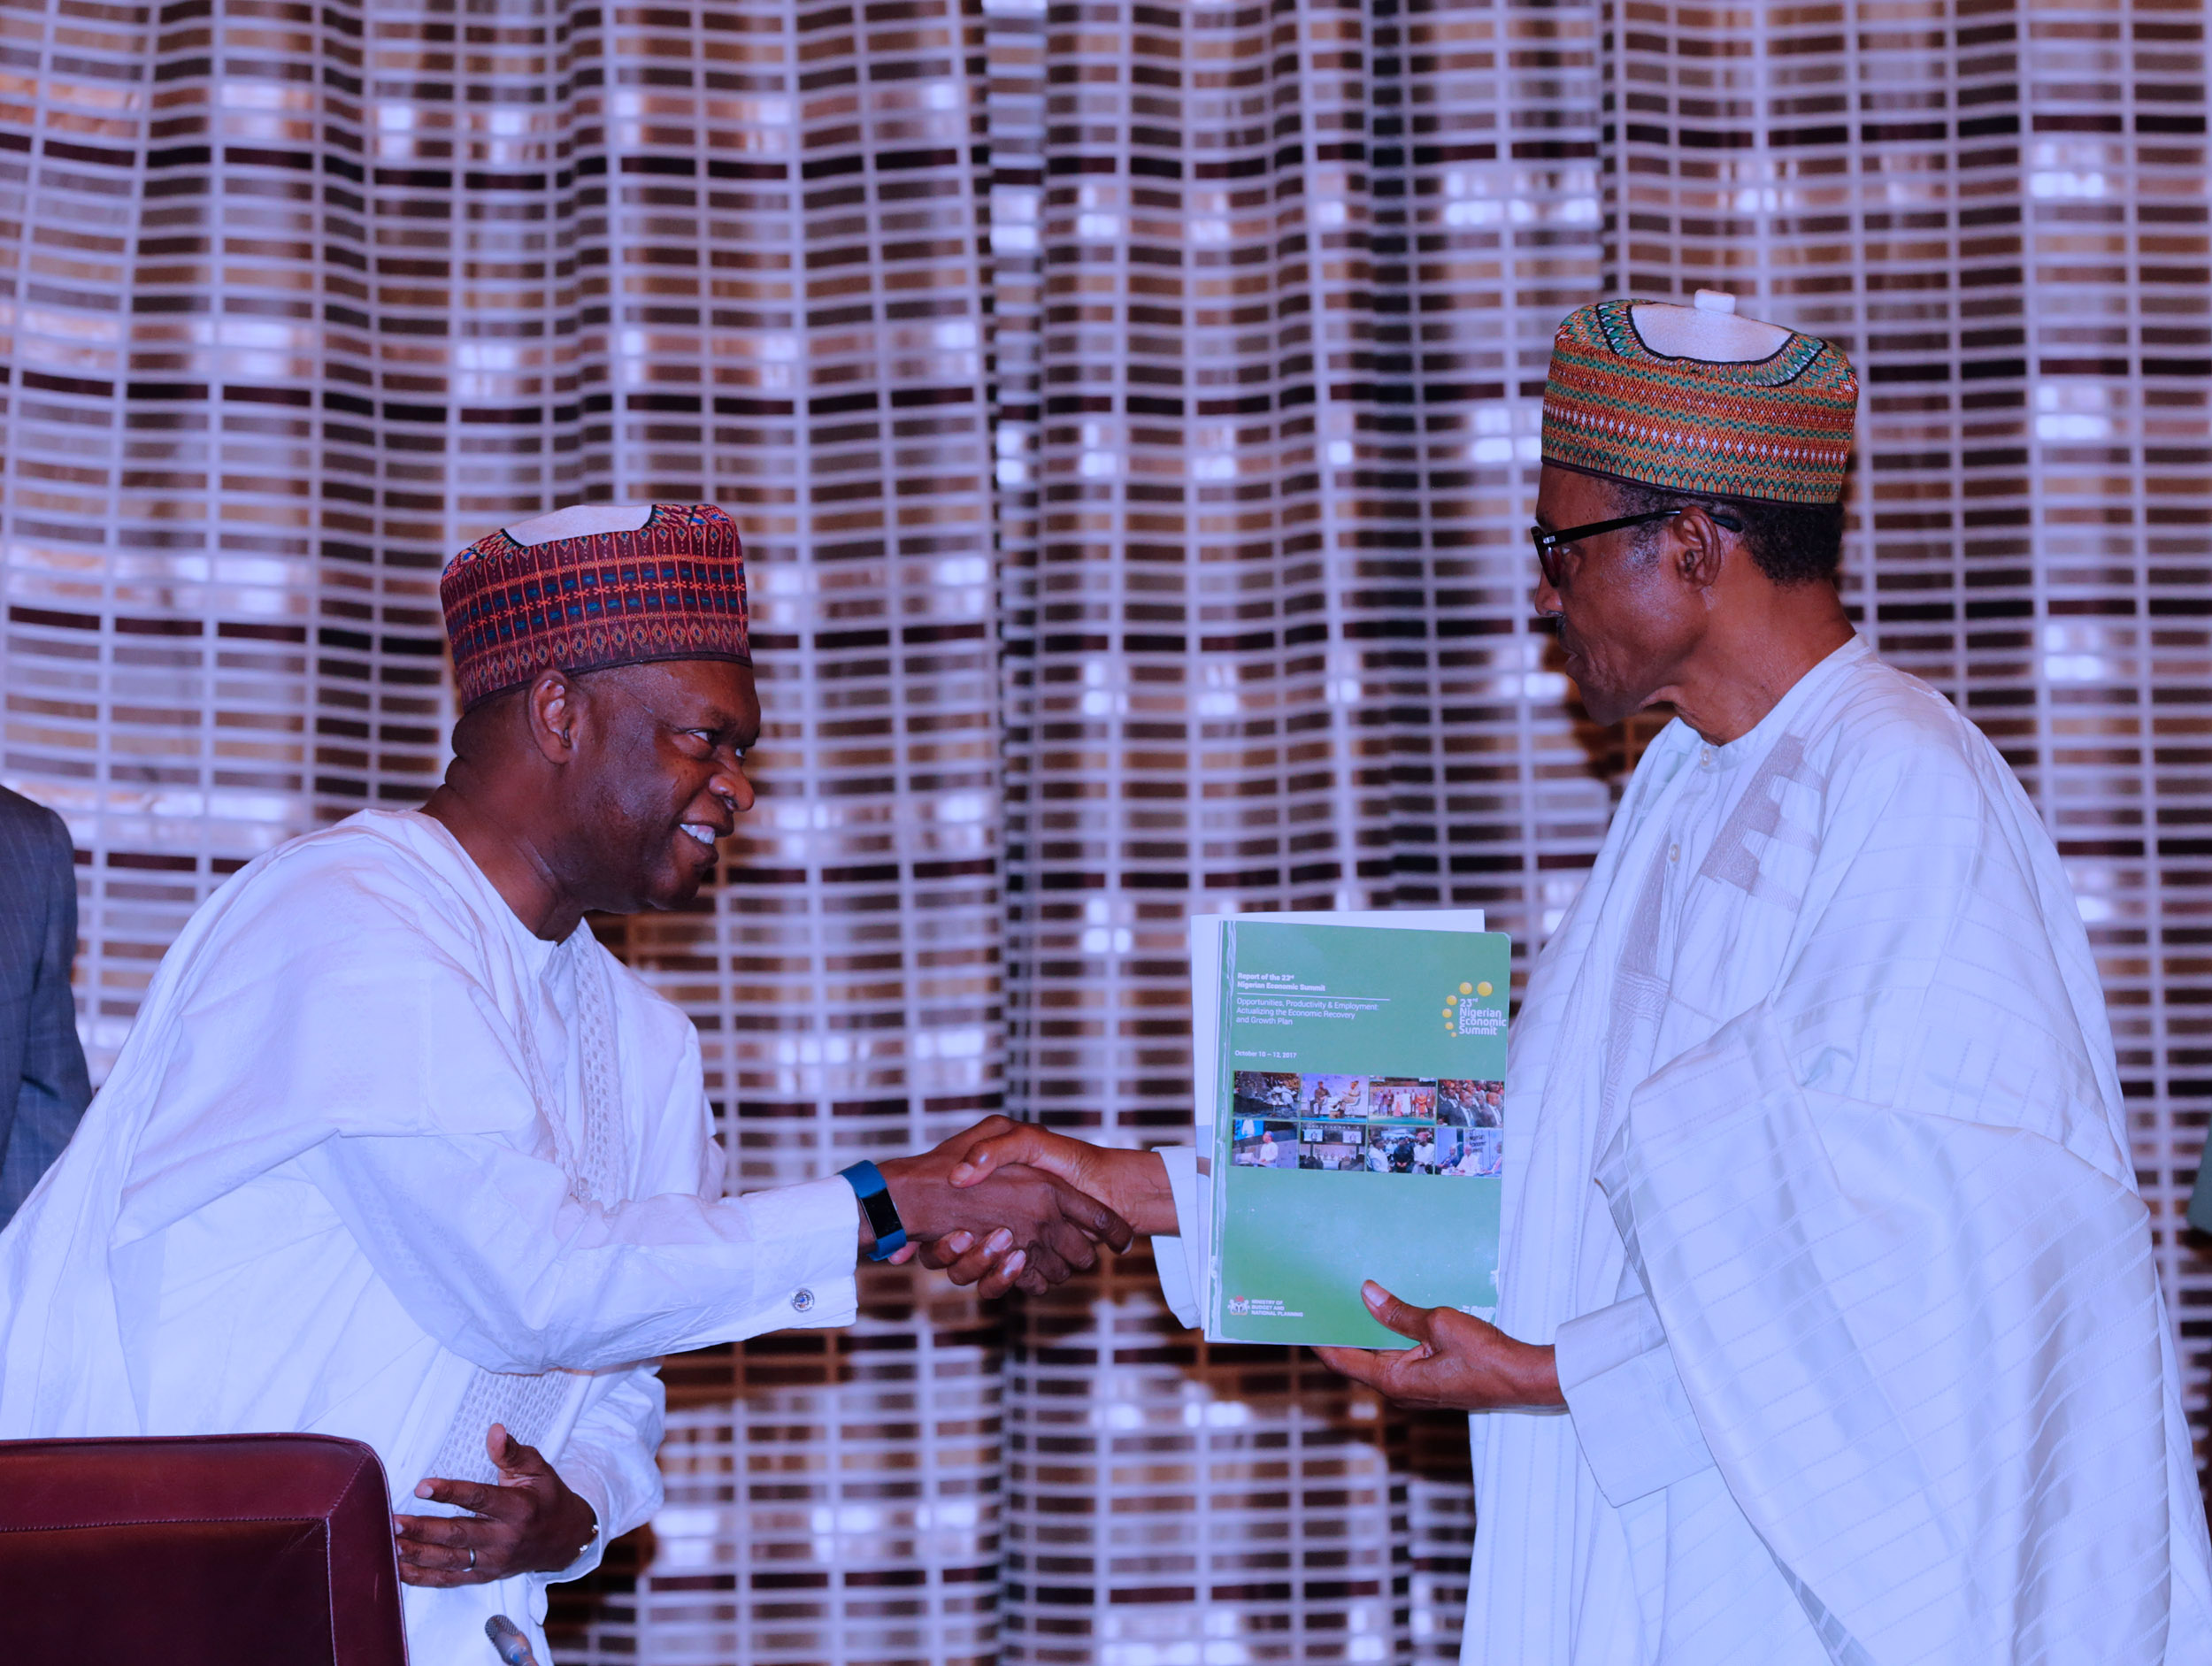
(1694, 399)
(594, 586)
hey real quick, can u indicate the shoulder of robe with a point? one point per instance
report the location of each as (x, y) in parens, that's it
(355, 889)
(1892, 739)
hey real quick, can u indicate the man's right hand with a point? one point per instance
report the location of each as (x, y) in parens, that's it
(1133, 1183)
(1043, 1230)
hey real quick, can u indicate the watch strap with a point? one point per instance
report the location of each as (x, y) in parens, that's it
(874, 1193)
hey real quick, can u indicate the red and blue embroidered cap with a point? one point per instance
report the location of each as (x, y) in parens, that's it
(592, 586)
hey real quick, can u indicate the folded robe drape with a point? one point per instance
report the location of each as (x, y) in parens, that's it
(1823, 1190)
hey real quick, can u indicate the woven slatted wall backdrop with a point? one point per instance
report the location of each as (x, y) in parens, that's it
(1275, 291)
(1130, 410)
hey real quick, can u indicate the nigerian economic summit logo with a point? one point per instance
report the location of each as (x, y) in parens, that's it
(1462, 1016)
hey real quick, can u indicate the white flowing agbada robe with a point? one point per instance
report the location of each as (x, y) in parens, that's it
(1819, 1179)
(376, 1162)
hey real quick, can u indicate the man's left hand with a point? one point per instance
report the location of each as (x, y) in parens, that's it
(530, 1523)
(1457, 1362)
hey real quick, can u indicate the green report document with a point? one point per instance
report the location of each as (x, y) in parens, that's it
(1353, 1127)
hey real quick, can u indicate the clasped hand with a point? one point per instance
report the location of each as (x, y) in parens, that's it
(1039, 1229)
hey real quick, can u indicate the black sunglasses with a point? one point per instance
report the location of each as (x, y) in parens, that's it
(1548, 541)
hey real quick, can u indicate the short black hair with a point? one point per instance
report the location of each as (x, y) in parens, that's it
(1792, 544)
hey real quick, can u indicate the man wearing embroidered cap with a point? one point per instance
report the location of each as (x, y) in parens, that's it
(397, 1151)
(1821, 1221)
(1830, 1328)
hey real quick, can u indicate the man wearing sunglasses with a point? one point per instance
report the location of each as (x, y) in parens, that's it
(1830, 1329)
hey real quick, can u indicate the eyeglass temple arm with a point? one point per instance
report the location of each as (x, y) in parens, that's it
(1551, 541)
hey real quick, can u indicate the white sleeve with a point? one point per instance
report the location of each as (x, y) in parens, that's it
(1630, 1410)
(610, 1463)
(341, 1034)
(490, 1254)
(1181, 1278)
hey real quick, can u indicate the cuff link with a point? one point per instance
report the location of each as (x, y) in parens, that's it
(801, 1300)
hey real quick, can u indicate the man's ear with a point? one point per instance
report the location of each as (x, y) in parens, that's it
(551, 707)
(1701, 548)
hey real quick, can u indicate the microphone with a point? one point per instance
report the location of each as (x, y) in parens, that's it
(507, 1637)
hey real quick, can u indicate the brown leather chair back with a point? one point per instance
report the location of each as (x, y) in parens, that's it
(214, 1550)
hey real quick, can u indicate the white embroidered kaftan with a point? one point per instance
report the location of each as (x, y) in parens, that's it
(1818, 1175)
(376, 1162)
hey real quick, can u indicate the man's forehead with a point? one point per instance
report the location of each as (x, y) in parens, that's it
(1561, 495)
(702, 692)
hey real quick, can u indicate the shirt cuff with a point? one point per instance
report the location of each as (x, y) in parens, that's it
(1181, 1278)
(1631, 1412)
(809, 1238)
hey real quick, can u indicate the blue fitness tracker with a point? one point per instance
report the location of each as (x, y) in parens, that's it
(874, 1193)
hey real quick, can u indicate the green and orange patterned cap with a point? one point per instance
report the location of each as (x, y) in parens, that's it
(1694, 399)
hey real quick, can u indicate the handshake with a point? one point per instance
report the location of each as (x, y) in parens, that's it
(1006, 1205)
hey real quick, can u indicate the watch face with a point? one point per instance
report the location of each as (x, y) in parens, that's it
(883, 1214)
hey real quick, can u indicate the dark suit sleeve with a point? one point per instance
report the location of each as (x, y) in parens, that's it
(54, 1090)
